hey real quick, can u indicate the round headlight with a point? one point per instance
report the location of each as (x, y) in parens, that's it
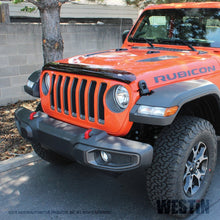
(46, 83)
(121, 96)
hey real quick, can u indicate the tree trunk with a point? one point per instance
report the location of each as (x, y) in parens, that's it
(51, 34)
(4, 13)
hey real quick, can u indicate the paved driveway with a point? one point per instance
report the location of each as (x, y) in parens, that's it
(38, 190)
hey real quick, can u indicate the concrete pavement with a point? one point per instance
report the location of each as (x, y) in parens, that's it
(31, 188)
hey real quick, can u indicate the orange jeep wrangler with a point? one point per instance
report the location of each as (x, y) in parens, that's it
(153, 103)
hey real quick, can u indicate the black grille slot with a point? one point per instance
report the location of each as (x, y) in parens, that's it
(52, 93)
(73, 96)
(58, 93)
(77, 96)
(91, 100)
(65, 95)
(82, 98)
(100, 103)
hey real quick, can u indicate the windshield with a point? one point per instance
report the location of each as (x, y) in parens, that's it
(198, 27)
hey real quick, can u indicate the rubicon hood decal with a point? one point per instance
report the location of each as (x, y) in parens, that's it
(89, 70)
(184, 74)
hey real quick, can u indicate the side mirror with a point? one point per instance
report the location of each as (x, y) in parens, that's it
(124, 35)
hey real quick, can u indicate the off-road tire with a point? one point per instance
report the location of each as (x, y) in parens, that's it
(172, 150)
(47, 154)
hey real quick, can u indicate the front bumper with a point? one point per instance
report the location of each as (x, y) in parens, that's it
(69, 141)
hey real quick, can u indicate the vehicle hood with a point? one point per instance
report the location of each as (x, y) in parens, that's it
(156, 67)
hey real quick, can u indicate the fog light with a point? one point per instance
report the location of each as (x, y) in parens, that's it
(105, 156)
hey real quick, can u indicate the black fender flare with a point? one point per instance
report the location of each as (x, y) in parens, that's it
(176, 94)
(34, 90)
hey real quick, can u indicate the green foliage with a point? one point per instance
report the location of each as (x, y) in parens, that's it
(133, 2)
(100, 1)
(28, 9)
(17, 1)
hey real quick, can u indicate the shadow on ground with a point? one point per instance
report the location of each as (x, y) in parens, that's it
(43, 191)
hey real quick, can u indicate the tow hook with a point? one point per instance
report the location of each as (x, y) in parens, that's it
(87, 134)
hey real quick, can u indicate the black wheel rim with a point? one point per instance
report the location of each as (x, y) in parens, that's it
(195, 169)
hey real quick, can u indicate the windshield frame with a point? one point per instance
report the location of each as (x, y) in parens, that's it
(207, 13)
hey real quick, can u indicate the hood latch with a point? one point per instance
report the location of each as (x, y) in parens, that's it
(143, 89)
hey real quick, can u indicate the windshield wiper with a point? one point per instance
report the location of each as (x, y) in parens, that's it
(140, 40)
(186, 43)
(177, 41)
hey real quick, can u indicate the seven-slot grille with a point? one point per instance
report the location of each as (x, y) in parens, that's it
(68, 96)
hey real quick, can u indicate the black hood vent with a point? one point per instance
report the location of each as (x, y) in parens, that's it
(155, 59)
